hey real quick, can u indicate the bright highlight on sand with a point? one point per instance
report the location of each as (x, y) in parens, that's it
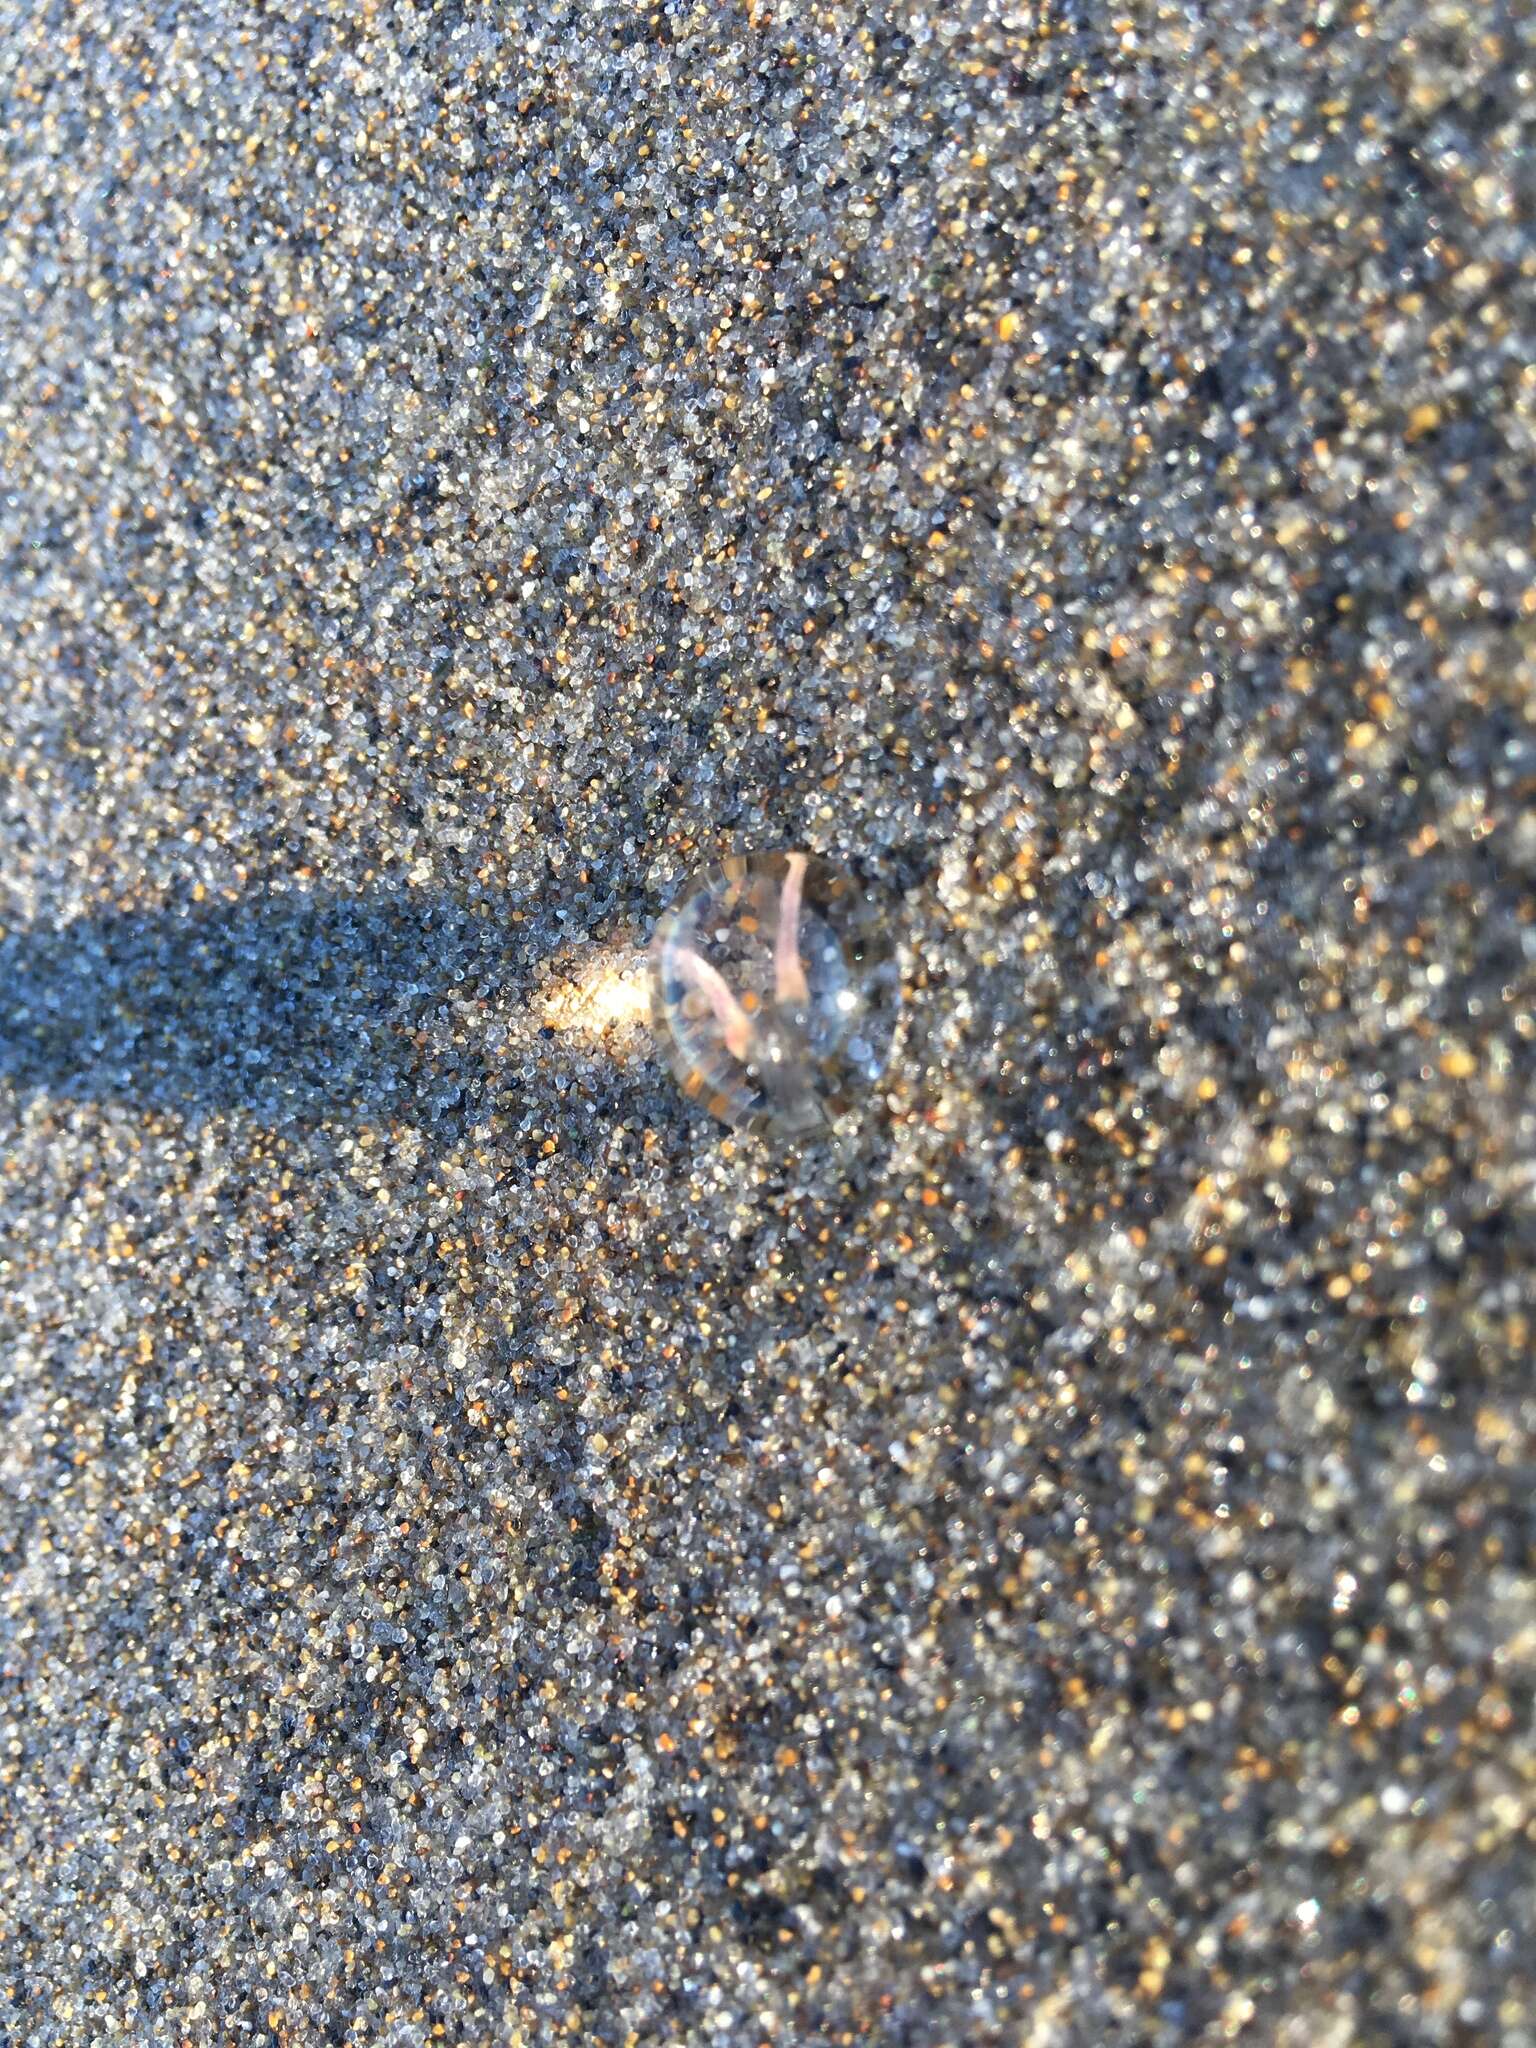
(611, 997)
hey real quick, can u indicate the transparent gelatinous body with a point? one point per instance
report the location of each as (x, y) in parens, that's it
(776, 990)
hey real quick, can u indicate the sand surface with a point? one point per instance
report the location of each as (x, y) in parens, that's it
(489, 1557)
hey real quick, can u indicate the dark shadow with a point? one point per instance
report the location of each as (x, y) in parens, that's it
(292, 1006)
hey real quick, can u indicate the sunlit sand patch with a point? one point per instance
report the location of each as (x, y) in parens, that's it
(606, 1000)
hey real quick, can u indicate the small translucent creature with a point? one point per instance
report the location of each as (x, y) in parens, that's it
(775, 987)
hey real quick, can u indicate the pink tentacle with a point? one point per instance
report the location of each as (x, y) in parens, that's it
(735, 1024)
(788, 972)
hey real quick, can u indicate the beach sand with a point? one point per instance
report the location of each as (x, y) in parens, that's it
(488, 1556)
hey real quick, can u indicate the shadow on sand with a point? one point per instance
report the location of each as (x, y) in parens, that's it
(297, 1005)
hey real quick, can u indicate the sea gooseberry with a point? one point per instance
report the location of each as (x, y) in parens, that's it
(775, 988)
